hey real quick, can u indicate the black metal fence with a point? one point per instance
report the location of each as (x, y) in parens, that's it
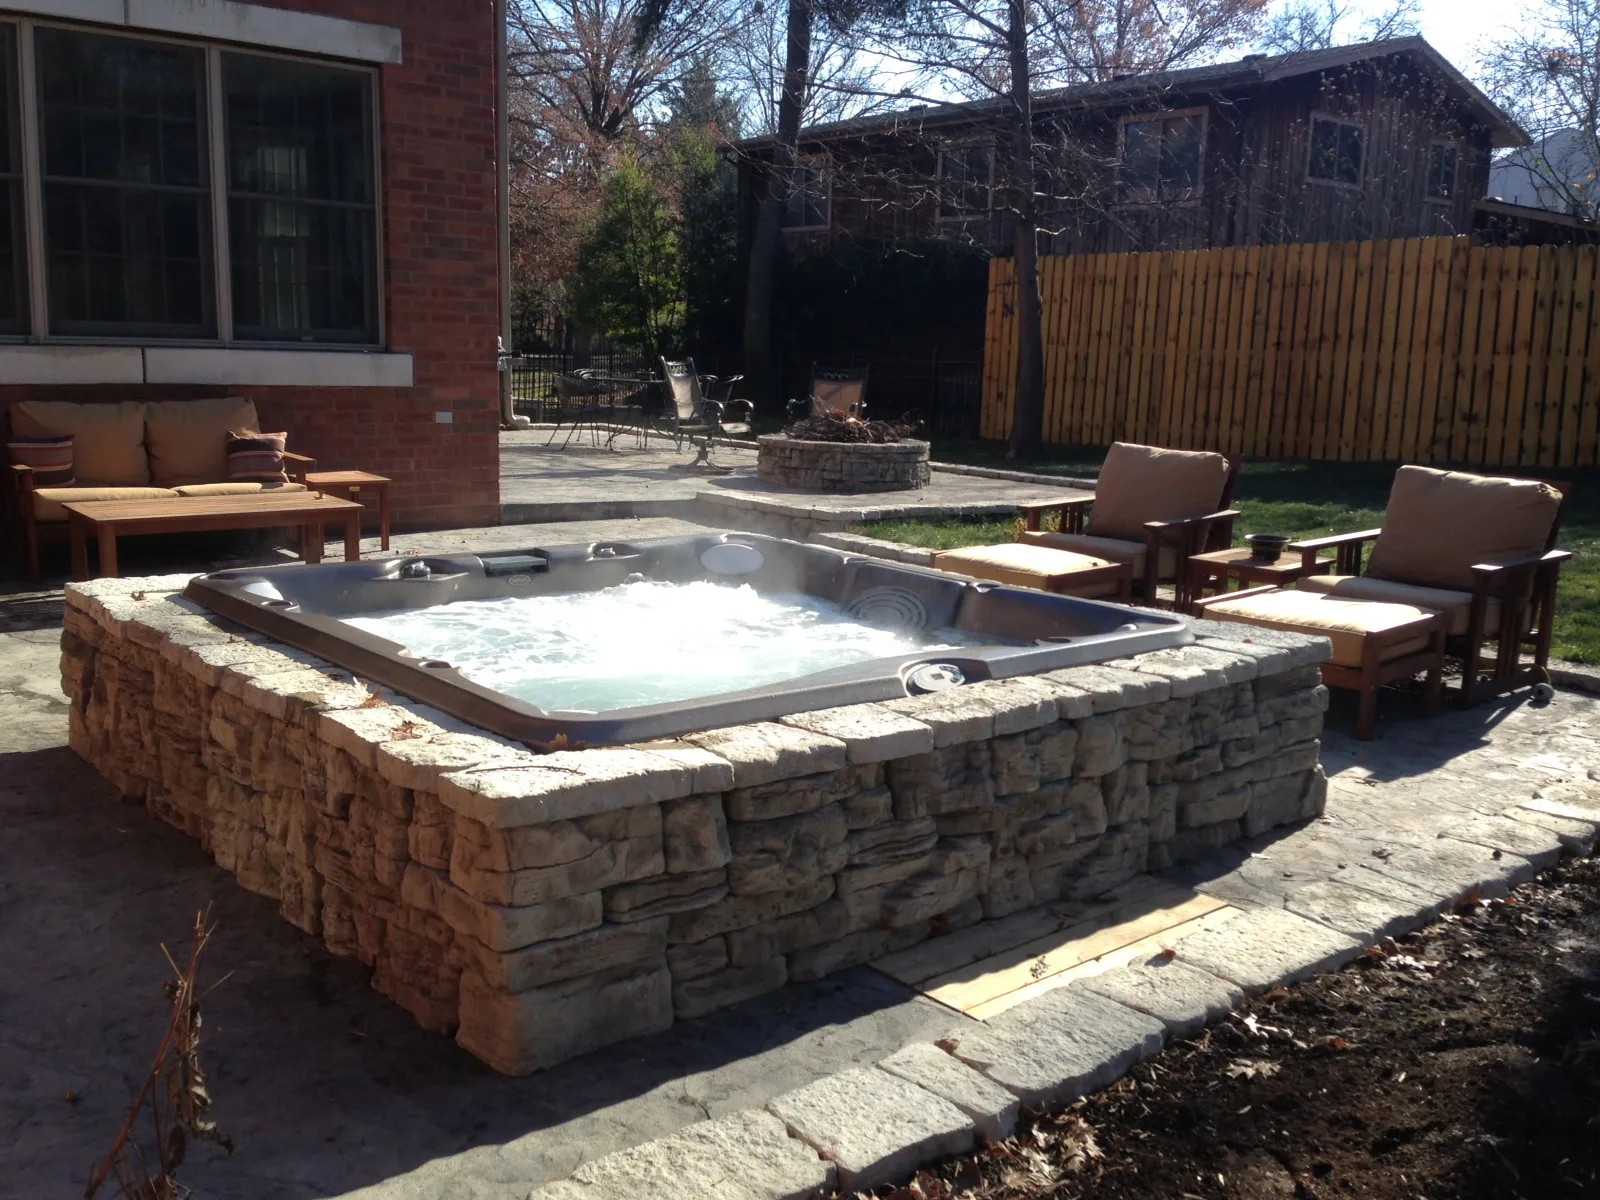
(547, 344)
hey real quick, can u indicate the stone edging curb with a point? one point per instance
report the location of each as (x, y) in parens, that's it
(873, 1125)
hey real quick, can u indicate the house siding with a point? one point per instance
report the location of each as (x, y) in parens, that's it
(440, 279)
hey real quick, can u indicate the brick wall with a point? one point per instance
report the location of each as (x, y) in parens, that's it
(437, 125)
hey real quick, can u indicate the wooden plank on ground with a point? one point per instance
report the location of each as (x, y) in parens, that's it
(1140, 951)
(983, 982)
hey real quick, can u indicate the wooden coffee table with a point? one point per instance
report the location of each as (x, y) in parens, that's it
(350, 485)
(106, 520)
(1220, 567)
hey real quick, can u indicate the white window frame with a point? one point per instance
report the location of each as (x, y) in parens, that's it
(1361, 179)
(987, 146)
(1204, 113)
(818, 163)
(1455, 175)
(32, 240)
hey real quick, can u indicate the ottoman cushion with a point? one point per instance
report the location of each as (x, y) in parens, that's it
(1345, 623)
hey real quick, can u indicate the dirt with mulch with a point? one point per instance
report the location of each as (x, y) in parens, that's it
(1459, 1063)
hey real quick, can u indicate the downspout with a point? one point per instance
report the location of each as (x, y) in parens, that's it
(503, 209)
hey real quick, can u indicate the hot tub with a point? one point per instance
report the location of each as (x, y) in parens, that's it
(617, 642)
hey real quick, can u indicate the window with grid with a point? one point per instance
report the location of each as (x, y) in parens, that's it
(966, 179)
(1161, 158)
(13, 277)
(808, 201)
(155, 189)
(1443, 159)
(1338, 151)
(302, 213)
(124, 184)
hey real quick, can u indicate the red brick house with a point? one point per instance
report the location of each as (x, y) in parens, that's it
(293, 202)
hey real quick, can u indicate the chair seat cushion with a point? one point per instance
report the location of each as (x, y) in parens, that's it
(1147, 483)
(1457, 606)
(1114, 549)
(47, 502)
(1439, 523)
(239, 487)
(1027, 565)
(1345, 623)
(735, 427)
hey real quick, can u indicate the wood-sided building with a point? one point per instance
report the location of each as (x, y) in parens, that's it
(1379, 140)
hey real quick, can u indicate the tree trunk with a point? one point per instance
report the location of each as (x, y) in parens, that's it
(1027, 424)
(773, 184)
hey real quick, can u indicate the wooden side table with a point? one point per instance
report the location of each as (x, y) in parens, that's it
(1214, 571)
(349, 484)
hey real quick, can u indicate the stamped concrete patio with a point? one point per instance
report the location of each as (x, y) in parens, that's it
(330, 1090)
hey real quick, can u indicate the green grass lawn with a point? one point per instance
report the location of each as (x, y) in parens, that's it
(1306, 499)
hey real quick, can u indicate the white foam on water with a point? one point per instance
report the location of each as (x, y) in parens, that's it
(643, 643)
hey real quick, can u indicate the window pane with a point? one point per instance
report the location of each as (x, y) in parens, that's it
(126, 215)
(1336, 151)
(1141, 160)
(302, 218)
(1180, 158)
(964, 180)
(1441, 171)
(12, 305)
(807, 204)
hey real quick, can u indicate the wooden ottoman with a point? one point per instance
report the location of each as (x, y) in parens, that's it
(1374, 642)
(1042, 567)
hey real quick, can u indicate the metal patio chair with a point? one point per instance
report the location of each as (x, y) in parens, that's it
(690, 415)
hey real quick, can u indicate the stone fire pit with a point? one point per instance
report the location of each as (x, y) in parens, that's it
(842, 466)
(539, 906)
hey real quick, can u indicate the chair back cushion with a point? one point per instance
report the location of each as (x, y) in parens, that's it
(257, 456)
(1439, 523)
(842, 396)
(683, 388)
(107, 439)
(1146, 483)
(50, 458)
(188, 439)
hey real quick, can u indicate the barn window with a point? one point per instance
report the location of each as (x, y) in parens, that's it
(1162, 157)
(1443, 160)
(966, 177)
(807, 204)
(1338, 151)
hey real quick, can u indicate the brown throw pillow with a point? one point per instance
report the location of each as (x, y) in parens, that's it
(50, 458)
(257, 457)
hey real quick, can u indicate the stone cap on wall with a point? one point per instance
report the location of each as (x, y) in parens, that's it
(504, 784)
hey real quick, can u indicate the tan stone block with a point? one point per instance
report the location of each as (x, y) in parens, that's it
(702, 958)
(722, 989)
(639, 944)
(564, 786)
(694, 834)
(766, 752)
(521, 1033)
(870, 732)
(496, 926)
(650, 898)
(741, 912)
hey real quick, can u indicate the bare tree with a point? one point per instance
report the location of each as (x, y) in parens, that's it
(840, 80)
(1107, 38)
(1318, 24)
(1545, 71)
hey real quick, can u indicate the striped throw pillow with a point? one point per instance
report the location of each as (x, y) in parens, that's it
(50, 458)
(257, 457)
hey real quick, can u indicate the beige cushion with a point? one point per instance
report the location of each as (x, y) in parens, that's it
(188, 439)
(1115, 549)
(107, 439)
(239, 487)
(1439, 523)
(1457, 606)
(47, 502)
(1146, 483)
(837, 396)
(1027, 566)
(1346, 623)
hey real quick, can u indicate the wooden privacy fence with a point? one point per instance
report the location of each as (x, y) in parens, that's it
(1426, 350)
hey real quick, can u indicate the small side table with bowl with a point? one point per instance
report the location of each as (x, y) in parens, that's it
(1259, 562)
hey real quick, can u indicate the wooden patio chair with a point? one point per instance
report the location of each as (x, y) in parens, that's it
(690, 415)
(1478, 548)
(1149, 505)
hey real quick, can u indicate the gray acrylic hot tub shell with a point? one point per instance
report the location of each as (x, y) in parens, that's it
(1032, 631)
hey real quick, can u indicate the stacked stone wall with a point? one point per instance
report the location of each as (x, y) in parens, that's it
(539, 906)
(842, 466)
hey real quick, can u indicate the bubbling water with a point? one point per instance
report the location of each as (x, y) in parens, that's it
(644, 642)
